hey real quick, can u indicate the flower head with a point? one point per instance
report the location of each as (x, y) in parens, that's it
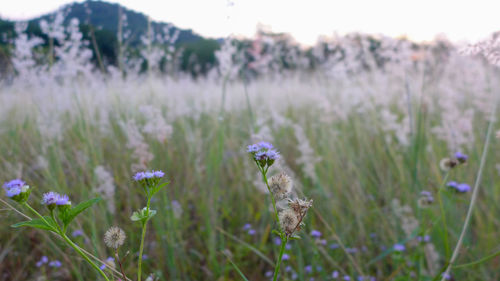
(50, 198)
(462, 158)
(280, 185)
(63, 200)
(399, 247)
(463, 187)
(55, 264)
(109, 262)
(289, 221)
(315, 234)
(114, 237)
(17, 190)
(263, 153)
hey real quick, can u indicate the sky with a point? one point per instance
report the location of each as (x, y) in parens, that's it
(306, 20)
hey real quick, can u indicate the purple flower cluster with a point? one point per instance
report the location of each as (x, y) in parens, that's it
(14, 187)
(459, 187)
(462, 158)
(248, 227)
(315, 234)
(264, 153)
(148, 175)
(399, 247)
(54, 198)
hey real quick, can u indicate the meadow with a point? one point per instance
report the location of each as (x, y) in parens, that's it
(363, 145)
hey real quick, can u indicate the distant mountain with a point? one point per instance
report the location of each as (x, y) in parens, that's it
(104, 16)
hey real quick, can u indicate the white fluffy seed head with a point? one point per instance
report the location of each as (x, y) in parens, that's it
(447, 164)
(280, 185)
(288, 220)
(114, 237)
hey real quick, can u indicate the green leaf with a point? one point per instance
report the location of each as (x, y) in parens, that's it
(295, 237)
(157, 188)
(75, 211)
(38, 223)
(276, 232)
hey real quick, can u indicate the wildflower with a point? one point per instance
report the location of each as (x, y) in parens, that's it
(149, 179)
(109, 262)
(447, 164)
(285, 257)
(315, 234)
(308, 268)
(280, 185)
(251, 232)
(63, 200)
(17, 190)
(263, 153)
(399, 247)
(42, 261)
(452, 184)
(55, 264)
(335, 274)
(334, 246)
(425, 199)
(77, 233)
(50, 199)
(462, 158)
(346, 278)
(114, 237)
(247, 227)
(463, 187)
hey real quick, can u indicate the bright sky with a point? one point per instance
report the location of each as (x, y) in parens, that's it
(305, 20)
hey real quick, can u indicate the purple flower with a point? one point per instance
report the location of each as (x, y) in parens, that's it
(253, 148)
(446, 276)
(427, 238)
(277, 241)
(399, 247)
(108, 260)
(426, 193)
(351, 250)
(308, 268)
(452, 184)
(463, 187)
(11, 192)
(264, 145)
(462, 158)
(63, 200)
(148, 175)
(14, 183)
(285, 257)
(42, 261)
(50, 198)
(158, 174)
(139, 176)
(252, 232)
(334, 246)
(346, 278)
(77, 233)
(335, 274)
(247, 227)
(55, 264)
(315, 234)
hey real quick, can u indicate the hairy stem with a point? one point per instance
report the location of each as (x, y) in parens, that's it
(284, 240)
(141, 248)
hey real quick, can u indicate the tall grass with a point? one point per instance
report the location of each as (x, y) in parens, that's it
(354, 132)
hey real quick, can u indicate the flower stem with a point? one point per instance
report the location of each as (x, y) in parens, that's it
(40, 216)
(264, 177)
(141, 248)
(443, 216)
(284, 240)
(84, 256)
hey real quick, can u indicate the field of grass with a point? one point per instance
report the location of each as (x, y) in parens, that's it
(362, 147)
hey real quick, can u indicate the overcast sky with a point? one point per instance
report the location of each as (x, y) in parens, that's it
(305, 20)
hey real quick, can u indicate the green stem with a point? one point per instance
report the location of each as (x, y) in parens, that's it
(143, 235)
(443, 216)
(478, 261)
(278, 263)
(264, 176)
(85, 257)
(40, 216)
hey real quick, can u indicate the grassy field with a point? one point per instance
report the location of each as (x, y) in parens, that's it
(362, 147)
